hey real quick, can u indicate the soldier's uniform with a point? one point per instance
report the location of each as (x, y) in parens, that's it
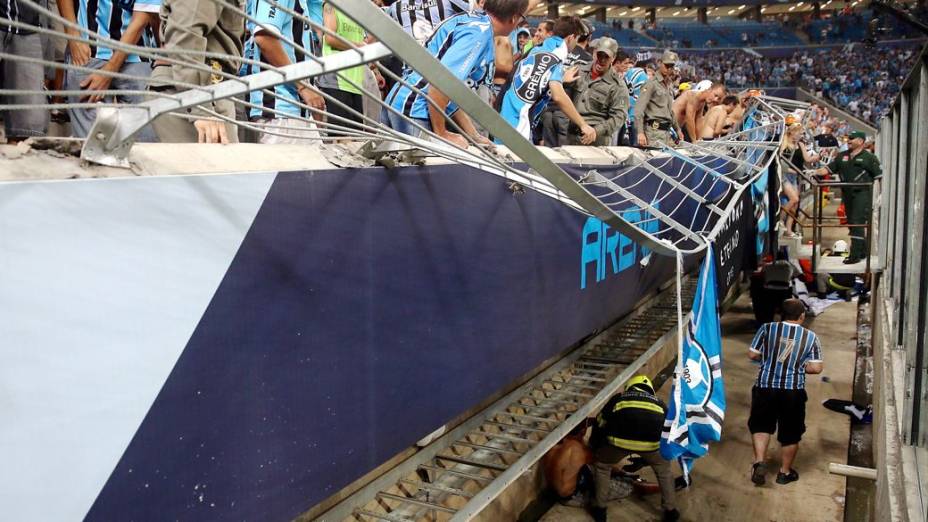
(190, 25)
(862, 168)
(654, 108)
(602, 102)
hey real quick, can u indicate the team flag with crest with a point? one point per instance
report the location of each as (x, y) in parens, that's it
(697, 399)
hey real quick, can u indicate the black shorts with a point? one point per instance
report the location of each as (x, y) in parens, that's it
(780, 411)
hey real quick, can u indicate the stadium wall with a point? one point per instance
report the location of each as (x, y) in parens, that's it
(242, 346)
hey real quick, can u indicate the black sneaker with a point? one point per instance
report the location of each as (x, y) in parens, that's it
(671, 515)
(786, 478)
(852, 261)
(759, 473)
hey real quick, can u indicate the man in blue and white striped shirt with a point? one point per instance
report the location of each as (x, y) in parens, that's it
(786, 352)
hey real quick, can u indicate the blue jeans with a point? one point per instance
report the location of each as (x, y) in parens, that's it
(403, 124)
(82, 119)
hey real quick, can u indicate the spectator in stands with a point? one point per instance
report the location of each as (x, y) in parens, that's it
(504, 60)
(786, 352)
(826, 137)
(794, 156)
(540, 78)
(622, 63)
(110, 19)
(690, 107)
(656, 105)
(635, 78)
(191, 25)
(716, 123)
(601, 96)
(345, 87)
(468, 55)
(284, 120)
(20, 75)
(544, 30)
(420, 18)
(554, 122)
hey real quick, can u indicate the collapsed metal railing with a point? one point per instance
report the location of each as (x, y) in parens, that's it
(707, 174)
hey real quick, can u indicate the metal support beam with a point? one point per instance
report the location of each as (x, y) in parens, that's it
(113, 132)
(377, 23)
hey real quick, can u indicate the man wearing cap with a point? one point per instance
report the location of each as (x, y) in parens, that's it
(856, 165)
(656, 105)
(601, 96)
(689, 109)
(631, 422)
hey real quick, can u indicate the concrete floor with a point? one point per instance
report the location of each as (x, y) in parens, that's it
(722, 489)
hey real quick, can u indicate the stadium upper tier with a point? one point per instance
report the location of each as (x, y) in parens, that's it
(723, 33)
(685, 31)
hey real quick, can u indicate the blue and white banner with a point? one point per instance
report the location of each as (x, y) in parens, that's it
(697, 404)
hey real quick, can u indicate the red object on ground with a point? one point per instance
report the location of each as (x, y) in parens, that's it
(642, 487)
(807, 276)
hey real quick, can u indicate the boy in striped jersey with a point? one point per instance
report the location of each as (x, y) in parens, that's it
(786, 352)
(271, 35)
(116, 20)
(464, 44)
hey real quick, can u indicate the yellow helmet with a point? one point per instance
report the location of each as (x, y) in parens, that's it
(640, 381)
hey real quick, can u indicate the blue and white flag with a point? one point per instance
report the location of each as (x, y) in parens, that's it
(697, 400)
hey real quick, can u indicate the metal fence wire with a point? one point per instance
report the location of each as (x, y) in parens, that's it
(286, 105)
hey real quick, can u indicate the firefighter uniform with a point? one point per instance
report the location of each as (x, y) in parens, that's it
(862, 168)
(631, 422)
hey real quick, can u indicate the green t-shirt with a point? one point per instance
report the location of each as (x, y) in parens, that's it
(354, 33)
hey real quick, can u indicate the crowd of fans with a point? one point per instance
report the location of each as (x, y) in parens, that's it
(862, 80)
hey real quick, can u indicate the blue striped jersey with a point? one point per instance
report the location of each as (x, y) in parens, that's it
(463, 44)
(635, 78)
(419, 18)
(109, 19)
(277, 21)
(785, 349)
(527, 94)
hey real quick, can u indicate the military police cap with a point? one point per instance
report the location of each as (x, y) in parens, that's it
(858, 134)
(669, 58)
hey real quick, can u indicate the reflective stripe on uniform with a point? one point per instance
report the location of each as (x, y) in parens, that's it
(650, 406)
(634, 445)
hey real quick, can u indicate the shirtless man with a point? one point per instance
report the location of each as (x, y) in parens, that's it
(503, 65)
(689, 108)
(566, 465)
(716, 122)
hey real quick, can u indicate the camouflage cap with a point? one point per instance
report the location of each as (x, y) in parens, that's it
(669, 58)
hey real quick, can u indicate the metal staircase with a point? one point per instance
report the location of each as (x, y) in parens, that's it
(463, 471)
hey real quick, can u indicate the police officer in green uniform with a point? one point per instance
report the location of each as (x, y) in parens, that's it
(631, 422)
(856, 165)
(655, 104)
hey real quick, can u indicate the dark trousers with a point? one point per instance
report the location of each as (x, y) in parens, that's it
(605, 456)
(857, 206)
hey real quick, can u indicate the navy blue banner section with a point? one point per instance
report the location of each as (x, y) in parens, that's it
(364, 309)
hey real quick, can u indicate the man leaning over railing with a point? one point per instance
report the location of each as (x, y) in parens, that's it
(216, 26)
(98, 17)
(463, 44)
